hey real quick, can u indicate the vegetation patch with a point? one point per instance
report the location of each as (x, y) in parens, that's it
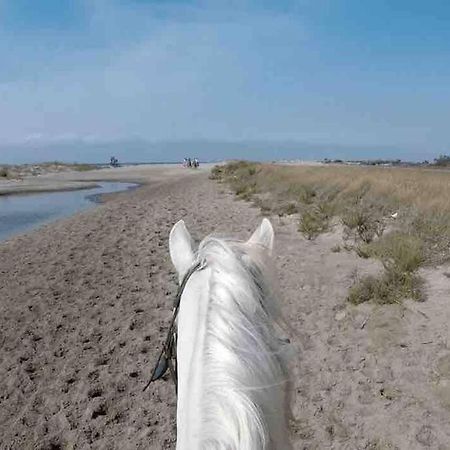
(361, 223)
(391, 286)
(400, 216)
(83, 167)
(442, 161)
(57, 166)
(313, 221)
(21, 171)
(402, 255)
(380, 444)
(399, 251)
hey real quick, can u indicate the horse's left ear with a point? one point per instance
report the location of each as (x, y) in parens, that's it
(263, 235)
(180, 246)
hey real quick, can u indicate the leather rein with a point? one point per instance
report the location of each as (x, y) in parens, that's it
(167, 358)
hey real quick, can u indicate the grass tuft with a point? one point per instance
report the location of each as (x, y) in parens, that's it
(314, 220)
(390, 287)
(311, 224)
(401, 255)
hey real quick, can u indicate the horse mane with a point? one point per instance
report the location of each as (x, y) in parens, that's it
(245, 383)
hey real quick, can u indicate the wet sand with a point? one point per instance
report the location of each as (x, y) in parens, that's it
(85, 303)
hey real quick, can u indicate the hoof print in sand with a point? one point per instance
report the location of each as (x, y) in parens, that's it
(99, 411)
(95, 392)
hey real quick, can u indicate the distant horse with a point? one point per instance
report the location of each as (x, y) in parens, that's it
(233, 382)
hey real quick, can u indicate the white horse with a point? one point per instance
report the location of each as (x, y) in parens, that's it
(232, 374)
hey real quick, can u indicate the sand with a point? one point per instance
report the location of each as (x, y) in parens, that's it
(67, 180)
(85, 303)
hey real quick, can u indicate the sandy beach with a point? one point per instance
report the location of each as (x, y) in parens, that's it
(68, 180)
(85, 303)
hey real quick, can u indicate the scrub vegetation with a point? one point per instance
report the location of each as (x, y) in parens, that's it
(400, 216)
(4, 172)
(24, 170)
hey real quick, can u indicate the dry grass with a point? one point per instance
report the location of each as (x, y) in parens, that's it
(392, 286)
(56, 166)
(394, 188)
(380, 444)
(83, 167)
(24, 170)
(363, 198)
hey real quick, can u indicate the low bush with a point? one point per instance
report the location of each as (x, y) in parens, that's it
(392, 286)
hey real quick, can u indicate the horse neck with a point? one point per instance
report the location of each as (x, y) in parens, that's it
(190, 343)
(231, 393)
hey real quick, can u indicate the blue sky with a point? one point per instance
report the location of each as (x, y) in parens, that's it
(371, 77)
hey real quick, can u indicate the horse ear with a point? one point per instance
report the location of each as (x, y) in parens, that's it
(263, 235)
(180, 246)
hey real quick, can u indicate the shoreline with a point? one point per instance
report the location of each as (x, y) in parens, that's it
(76, 180)
(23, 212)
(30, 189)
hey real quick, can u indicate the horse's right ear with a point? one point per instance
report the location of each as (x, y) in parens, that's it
(180, 246)
(263, 235)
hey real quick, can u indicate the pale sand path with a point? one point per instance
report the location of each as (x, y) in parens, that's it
(85, 303)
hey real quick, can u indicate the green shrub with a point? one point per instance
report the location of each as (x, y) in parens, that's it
(361, 223)
(434, 231)
(391, 287)
(398, 251)
(401, 255)
(217, 173)
(313, 222)
(306, 194)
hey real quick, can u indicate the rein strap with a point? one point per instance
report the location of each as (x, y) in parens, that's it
(166, 358)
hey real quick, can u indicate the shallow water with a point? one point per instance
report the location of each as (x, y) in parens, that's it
(20, 213)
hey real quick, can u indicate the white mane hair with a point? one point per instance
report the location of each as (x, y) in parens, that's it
(244, 400)
(243, 354)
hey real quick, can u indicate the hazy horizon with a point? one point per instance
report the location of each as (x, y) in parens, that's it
(205, 150)
(303, 79)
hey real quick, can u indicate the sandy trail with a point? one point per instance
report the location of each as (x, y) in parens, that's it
(85, 302)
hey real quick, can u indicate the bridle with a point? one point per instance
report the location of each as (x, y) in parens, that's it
(167, 358)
